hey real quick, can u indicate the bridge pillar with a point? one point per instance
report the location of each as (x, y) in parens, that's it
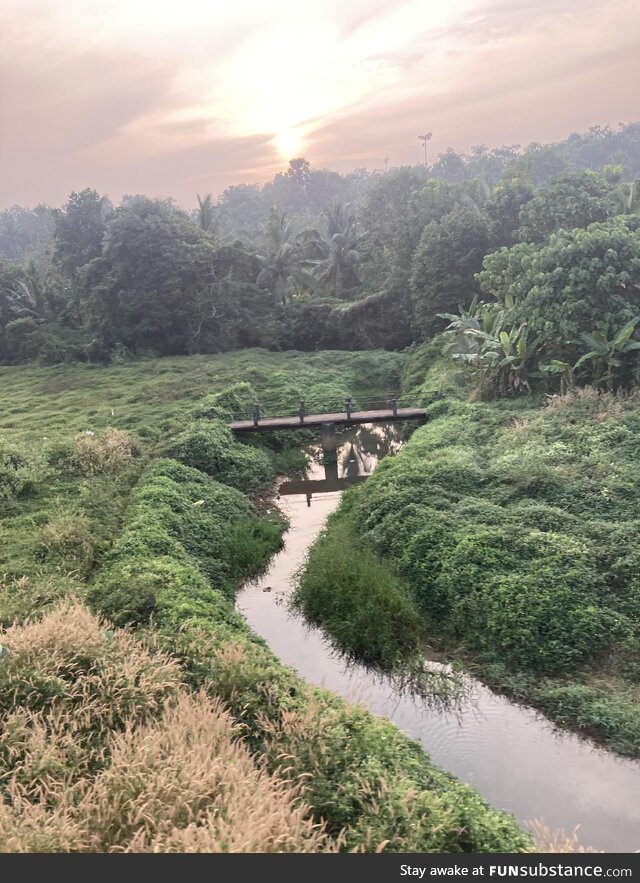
(329, 450)
(328, 436)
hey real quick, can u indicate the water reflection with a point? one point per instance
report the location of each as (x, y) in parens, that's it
(344, 457)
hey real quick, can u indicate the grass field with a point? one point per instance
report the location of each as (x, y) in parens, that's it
(66, 520)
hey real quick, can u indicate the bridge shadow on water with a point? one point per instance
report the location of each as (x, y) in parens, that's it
(344, 457)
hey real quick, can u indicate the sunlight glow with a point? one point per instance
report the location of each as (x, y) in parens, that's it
(289, 144)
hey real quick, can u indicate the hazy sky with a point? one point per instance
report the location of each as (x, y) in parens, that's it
(174, 97)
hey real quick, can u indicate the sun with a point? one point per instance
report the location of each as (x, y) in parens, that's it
(289, 143)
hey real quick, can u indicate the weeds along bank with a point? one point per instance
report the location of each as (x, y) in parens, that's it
(93, 756)
(507, 535)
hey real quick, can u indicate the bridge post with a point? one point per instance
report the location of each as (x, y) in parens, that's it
(301, 412)
(256, 414)
(394, 407)
(347, 406)
(329, 451)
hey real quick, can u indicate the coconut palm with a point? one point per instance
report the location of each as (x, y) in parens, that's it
(288, 258)
(206, 212)
(338, 269)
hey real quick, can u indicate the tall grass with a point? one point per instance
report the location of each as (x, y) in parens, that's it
(106, 752)
(362, 602)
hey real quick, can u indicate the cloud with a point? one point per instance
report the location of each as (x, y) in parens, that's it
(490, 79)
(172, 98)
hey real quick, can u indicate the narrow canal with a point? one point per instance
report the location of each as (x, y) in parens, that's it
(513, 756)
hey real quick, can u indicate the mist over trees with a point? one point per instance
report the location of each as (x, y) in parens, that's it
(315, 259)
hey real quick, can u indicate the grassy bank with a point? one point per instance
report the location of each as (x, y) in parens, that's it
(141, 510)
(513, 530)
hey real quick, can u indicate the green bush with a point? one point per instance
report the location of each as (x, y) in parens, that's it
(211, 448)
(596, 713)
(22, 471)
(127, 593)
(234, 402)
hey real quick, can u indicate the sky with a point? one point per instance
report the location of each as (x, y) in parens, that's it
(175, 98)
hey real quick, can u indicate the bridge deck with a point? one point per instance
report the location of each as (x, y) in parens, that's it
(269, 423)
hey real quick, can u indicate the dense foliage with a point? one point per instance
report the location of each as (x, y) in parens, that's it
(311, 260)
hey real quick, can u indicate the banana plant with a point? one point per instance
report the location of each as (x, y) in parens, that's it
(563, 369)
(465, 330)
(484, 338)
(607, 354)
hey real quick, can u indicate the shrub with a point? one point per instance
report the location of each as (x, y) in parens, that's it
(594, 711)
(234, 402)
(108, 453)
(67, 539)
(22, 471)
(127, 592)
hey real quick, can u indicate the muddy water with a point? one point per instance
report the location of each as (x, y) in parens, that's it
(515, 758)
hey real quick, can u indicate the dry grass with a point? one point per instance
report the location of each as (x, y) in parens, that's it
(108, 453)
(103, 750)
(549, 840)
(68, 537)
(186, 784)
(65, 683)
(602, 405)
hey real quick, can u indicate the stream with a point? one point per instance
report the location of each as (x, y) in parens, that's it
(512, 755)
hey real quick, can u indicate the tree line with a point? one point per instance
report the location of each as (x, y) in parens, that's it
(539, 247)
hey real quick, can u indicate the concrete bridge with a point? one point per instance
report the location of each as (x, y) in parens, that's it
(348, 417)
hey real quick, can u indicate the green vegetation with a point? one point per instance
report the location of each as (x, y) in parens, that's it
(514, 530)
(181, 584)
(372, 617)
(160, 546)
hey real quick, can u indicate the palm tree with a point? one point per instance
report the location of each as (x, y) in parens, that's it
(206, 212)
(286, 259)
(425, 138)
(338, 270)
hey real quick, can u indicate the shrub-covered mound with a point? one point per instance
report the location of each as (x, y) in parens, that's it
(210, 447)
(517, 533)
